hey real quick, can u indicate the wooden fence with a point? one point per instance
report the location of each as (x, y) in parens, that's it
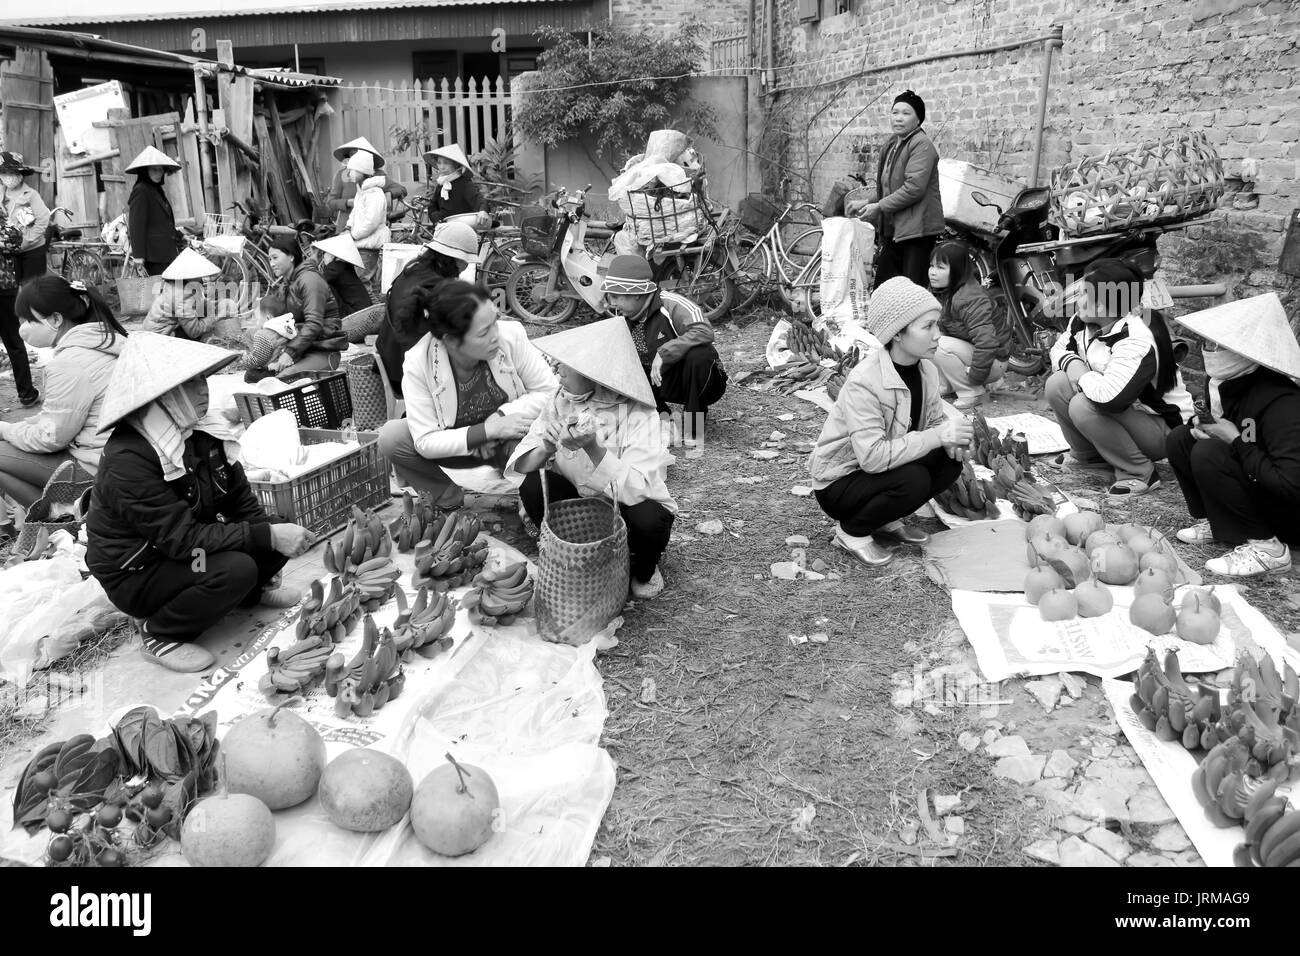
(472, 113)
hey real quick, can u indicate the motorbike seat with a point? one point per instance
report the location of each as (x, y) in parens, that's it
(1079, 254)
(67, 235)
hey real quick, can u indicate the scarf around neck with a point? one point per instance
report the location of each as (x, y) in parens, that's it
(446, 181)
(167, 424)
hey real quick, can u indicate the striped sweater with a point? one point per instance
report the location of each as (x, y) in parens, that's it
(1122, 365)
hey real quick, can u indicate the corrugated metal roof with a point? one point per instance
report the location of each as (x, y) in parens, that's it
(87, 44)
(54, 12)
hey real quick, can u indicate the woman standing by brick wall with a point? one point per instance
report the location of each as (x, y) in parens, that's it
(908, 216)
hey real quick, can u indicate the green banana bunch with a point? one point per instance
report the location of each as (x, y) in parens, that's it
(500, 594)
(291, 670)
(459, 548)
(376, 579)
(372, 678)
(1173, 709)
(424, 628)
(333, 613)
(364, 539)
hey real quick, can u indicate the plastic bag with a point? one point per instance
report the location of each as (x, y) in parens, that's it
(38, 596)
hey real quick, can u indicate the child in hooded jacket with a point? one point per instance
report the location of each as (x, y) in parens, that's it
(973, 344)
(368, 220)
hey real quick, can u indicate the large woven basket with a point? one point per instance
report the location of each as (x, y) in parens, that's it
(1162, 181)
(582, 568)
(366, 385)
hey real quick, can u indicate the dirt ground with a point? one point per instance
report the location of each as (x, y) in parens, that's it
(736, 745)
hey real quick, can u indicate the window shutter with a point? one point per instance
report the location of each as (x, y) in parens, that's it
(809, 10)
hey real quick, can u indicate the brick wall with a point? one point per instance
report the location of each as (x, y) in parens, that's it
(667, 15)
(1129, 70)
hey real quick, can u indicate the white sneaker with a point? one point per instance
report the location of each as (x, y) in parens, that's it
(1251, 559)
(864, 549)
(644, 591)
(1198, 534)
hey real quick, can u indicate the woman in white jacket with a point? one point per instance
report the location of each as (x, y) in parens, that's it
(473, 386)
(600, 436)
(87, 340)
(368, 220)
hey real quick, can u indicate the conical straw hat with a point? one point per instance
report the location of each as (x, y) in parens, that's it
(191, 265)
(603, 352)
(340, 247)
(359, 143)
(1256, 328)
(452, 152)
(152, 365)
(153, 157)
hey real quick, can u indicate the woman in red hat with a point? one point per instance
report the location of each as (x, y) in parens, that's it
(673, 340)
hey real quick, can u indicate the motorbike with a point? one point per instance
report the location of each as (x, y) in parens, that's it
(556, 271)
(1027, 267)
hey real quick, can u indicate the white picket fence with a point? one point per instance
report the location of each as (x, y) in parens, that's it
(469, 112)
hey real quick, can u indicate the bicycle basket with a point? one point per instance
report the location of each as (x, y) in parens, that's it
(661, 214)
(540, 235)
(217, 224)
(757, 212)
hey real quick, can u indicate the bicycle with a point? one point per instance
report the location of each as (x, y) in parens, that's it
(89, 260)
(498, 247)
(791, 268)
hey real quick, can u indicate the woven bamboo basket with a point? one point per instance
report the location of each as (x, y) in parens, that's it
(582, 567)
(1162, 181)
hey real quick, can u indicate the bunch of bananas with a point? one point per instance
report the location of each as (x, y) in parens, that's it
(376, 579)
(1262, 715)
(500, 594)
(419, 521)
(969, 496)
(1272, 830)
(1225, 788)
(810, 344)
(371, 679)
(989, 443)
(799, 373)
(1172, 708)
(425, 626)
(332, 614)
(834, 384)
(291, 670)
(449, 560)
(364, 539)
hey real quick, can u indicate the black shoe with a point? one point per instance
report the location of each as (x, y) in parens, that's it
(29, 400)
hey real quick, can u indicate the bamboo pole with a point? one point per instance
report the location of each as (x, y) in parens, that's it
(205, 161)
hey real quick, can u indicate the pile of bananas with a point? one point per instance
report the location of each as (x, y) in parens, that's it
(291, 670)
(417, 522)
(1263, 716)
(990, 443)
(371, 679)
(425, 626)
(970, 497)
(1225, 788)
(363, 540)
(1272, 830)
(332, 614)
(376, 579)
(500, 594)
(1173, 709)
(799, 373)
(450, 560)
(809, 344)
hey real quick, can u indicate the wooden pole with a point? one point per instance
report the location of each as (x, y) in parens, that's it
(205, 161)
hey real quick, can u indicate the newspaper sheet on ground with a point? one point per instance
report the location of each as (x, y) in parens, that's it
(1012, 640)
(1043, 435)
(1171, 766)
(528, 712)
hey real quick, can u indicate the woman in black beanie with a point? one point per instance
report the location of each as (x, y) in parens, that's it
(908, 216)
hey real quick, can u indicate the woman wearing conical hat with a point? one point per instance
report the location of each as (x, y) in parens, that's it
(150, 222)
(185, 306)
(600, 435)
(453, 193)
(1238, 463)
(343, 190)
(175, 534)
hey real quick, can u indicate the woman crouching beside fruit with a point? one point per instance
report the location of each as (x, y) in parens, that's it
(1116, 391)
(473, 386)
(1240, 473)
(175, 534)
(887, 446)
(601, 432)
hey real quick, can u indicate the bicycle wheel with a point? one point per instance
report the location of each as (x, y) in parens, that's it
(233, 281)
(809, 293)
(525, 289)
(498, 262)
(755, 275)
(704, 280)
(798, 253)
(85, 265)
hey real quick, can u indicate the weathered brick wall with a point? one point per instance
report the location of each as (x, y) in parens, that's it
(663, 16)
(1129, 70)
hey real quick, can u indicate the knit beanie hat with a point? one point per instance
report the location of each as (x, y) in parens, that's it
(895, 305)
(362, 162)
(914, 101)
(629, 275)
